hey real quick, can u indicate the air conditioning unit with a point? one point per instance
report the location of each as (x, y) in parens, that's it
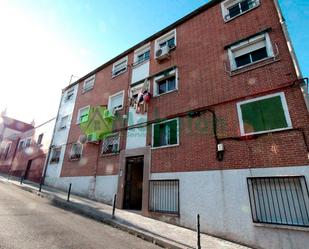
(92, 138)
(163, 53)
(108, 115)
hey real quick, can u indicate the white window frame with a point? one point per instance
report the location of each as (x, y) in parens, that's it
(111, 135)
(91, 79)
(110, 101)
(81, 152)
(5, 146)
(159, 78)
(229, 3)
(29, 139)
(41, 139)
(79, 112)
(247, 43)
(124, 59)
(165, 38)
(21, 144)
(164, 146)
(140, 51)
(284, 106)
(72, 90)
(61, 127)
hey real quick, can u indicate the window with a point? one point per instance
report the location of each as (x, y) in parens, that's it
(5, 150)
(63, 122)
(21, 144)
(88, 84)
(166, 82)
(120, 66)
(165, 133)
(279, 200)
(167, 40)
(83, 115)
(110, 144)
(55, 155)
(76, 151)
(143, 57)
(69, 95)
(142, 54)
(250, 51)
(169, 43)
(234, 8)
(28, 142)
(264, 114)
(164, 196)
(40, 138)
(115, 102)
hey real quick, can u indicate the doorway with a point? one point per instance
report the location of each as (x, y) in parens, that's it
(133, 190)
(28, 169)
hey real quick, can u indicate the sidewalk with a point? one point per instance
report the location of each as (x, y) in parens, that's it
(160, 233)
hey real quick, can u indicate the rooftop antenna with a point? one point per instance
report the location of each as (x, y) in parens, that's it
(71, 78)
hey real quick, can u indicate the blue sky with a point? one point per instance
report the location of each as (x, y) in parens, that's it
(45, 42)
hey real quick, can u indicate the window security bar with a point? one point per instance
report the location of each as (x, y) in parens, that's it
(279, 200)
(164, 196)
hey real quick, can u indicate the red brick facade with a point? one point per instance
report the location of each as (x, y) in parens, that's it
(203, 82)
(27, 160)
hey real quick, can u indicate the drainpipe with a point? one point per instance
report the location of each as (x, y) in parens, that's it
(304, 89)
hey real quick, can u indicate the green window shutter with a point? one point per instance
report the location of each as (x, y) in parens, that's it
(156, 135)
(252, 117)
(87, 115)
(263, 115)
(173, 132)
(273, 113)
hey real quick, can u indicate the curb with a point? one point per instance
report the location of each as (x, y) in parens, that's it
(93, 213)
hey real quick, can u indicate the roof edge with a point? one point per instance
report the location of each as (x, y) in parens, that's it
(150, 38)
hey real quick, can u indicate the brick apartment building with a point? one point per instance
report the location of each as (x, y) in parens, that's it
(23, 147)
(210, 117)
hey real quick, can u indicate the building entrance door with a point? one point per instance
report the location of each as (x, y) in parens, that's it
(133, 190)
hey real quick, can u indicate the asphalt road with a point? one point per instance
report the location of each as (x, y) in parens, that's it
(28, 221)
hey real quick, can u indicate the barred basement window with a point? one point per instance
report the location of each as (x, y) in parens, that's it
(164, 196)
(279, 200)
(76, 151)
(110, 144)
(55, 155)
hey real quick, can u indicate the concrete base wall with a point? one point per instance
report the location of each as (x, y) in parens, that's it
(221, 198)
(102, 189)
